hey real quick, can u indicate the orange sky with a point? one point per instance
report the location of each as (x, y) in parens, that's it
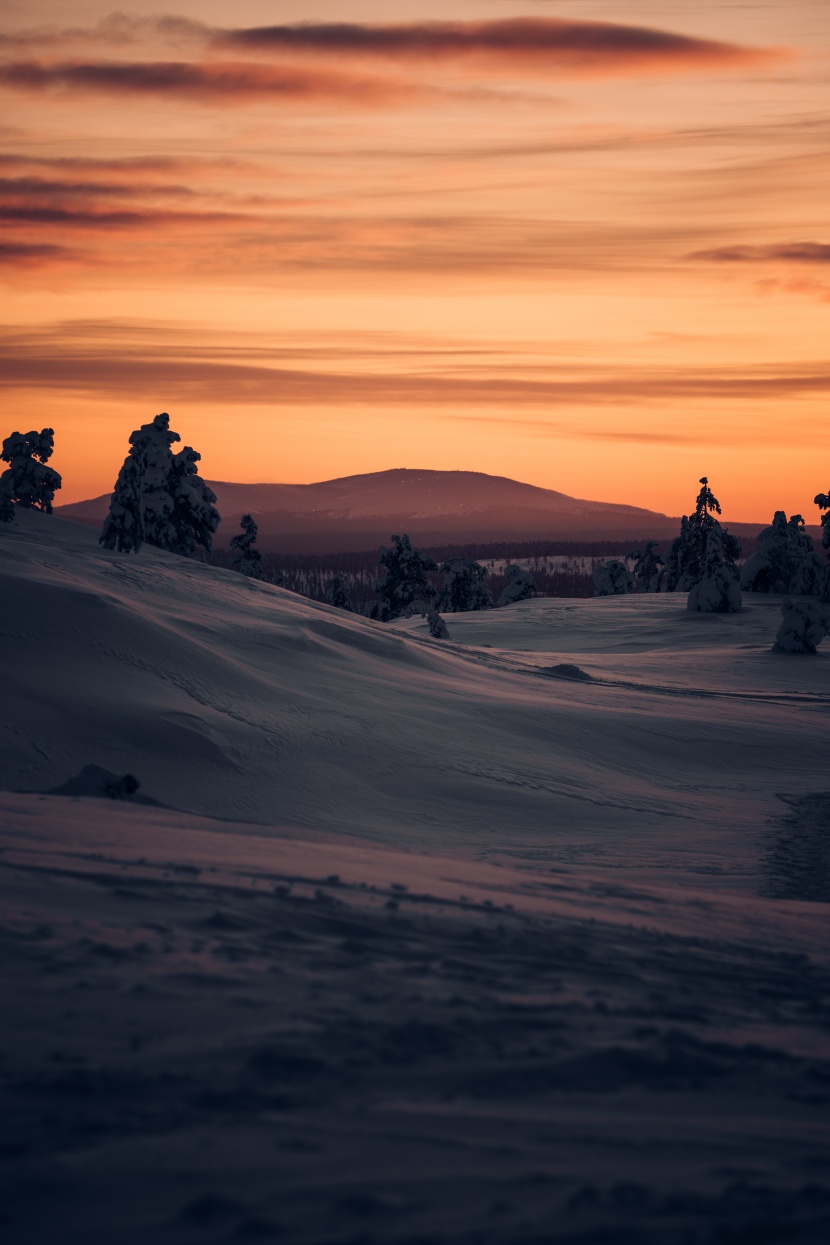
(581, 244)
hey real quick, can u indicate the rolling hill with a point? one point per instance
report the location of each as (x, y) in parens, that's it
(434, 507)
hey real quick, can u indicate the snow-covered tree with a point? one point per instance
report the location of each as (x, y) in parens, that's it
(247, 559)
(785, 560)
(437, 627)
(339, 594)
(6, 503)
(141, 504)
(521, 585)
(612, 579)
(822, 500)
(648, 568)
(719, 589)
(403, 581)
(687, 556)
(194, 518)
(159, 496)
(464, 587)
(27, 481)
(804, 625)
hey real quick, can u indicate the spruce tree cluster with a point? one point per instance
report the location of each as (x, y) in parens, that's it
(785, 561)
(247, 559)
(402, 584)
(28, 482)
(612, 579)
(464, 587)
(159, 497)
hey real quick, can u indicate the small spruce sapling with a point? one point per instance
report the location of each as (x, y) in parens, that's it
(403, 581)
(247, 559)
(338, 594)
(438, 629)
(28, 482)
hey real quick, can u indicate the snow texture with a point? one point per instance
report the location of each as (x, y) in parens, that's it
(804, 625)
(464, 587)
(247, 559)
(28, 482)
(612, 579)
(521, 586)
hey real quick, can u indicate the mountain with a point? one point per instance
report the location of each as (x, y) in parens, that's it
(434, 507)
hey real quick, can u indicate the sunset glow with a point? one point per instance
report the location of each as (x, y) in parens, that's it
(584, 245)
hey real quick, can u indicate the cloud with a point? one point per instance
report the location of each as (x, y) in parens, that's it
(540, 45)
(115, 369)
(51, 188)
(38, 214)
(211, 82)
(789, 252)
(26, 253)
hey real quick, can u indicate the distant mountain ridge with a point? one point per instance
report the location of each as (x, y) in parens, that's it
(434, 507)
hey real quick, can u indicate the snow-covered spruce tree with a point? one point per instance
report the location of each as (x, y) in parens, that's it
(27, 481)
(438, 629)
(464, 587)
(6, 503)
(785, 560)
(159, 496)
(339, 594)
(247, 559)
(822, 500)
(403, 581)
(141, 504)
(194, 518)
(687, 555)
(521, 585)
(648, 568)
(719, 589)
(804, 625)
(612, 579)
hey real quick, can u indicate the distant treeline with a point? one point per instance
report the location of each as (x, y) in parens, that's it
(310, 574)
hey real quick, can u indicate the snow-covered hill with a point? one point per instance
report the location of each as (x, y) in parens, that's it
(424, 941)
(357, 512)
(231, 697)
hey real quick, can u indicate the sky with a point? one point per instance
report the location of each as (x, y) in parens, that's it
(582, 244)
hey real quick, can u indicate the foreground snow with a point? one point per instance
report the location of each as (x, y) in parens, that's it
(439, 945)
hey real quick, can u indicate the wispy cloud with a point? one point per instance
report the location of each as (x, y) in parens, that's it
(788, 252)
(99, 366)
(209, 82)
(540, 45)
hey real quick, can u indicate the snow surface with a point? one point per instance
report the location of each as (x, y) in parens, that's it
(426, 941)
